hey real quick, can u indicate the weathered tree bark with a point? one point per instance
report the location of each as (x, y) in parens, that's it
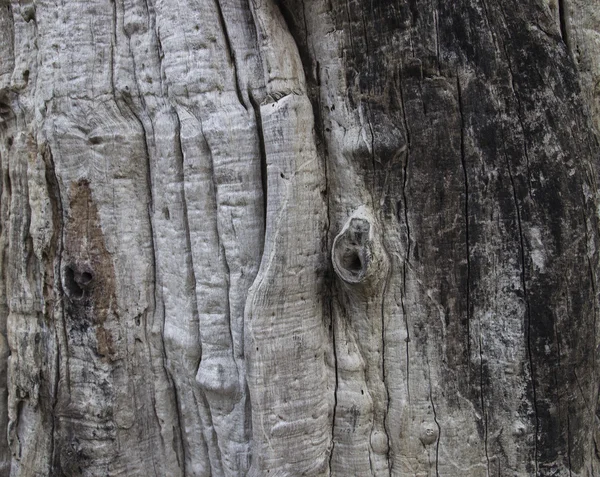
(321, 238)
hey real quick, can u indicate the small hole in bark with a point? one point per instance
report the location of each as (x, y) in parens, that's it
(9, 142)
(95, 140)
(73, 288)
(86, 278)
(26, 75)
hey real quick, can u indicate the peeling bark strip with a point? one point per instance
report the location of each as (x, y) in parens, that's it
(299, 238)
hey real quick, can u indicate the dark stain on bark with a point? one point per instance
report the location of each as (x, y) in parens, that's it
(88, 275)
(88, 279)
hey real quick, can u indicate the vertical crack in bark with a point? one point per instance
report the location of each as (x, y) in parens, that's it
(230, 54)
(335, 394)
(385, 385)
(439, 438)
(468, 251)
(406, 259)
(405, 171)
(527, 310)
(330, 281)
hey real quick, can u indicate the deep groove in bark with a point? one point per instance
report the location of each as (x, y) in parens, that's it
(563, 15)
(263, 157)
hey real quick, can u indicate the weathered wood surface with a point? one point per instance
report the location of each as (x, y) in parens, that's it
(312, 237)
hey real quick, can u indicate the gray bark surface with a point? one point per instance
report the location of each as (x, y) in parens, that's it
(299, 237)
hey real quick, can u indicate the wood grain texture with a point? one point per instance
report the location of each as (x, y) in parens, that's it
(299, 237)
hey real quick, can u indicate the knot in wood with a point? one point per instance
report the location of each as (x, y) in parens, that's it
(352, 252)
(357, 254)
(429, 433)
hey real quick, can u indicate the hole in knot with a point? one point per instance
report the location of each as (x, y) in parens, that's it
(351, 261)
(76, 282)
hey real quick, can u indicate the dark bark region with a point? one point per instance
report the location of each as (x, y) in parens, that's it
(481, 154)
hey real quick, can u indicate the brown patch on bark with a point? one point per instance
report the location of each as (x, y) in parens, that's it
(89, 276)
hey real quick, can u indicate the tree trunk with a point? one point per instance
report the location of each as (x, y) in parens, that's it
(320, 238)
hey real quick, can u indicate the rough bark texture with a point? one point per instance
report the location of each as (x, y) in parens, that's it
(305, 237)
